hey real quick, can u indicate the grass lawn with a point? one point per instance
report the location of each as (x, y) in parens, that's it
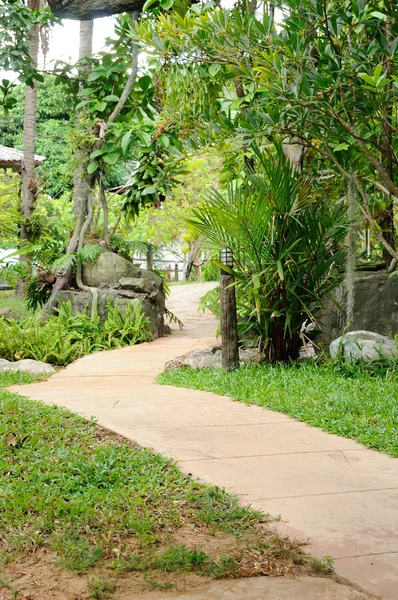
(348, 401)
(17, 305)
(76, 499)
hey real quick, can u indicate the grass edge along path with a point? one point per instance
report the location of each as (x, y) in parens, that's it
(345, 400)
(94, 500)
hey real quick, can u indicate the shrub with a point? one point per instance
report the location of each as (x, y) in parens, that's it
(288, 249)
(66, 337)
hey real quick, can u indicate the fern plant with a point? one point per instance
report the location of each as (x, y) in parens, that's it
(66, 337)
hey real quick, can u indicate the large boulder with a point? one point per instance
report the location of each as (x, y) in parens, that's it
(364, 346)
(108, 269)
(85, 10)
(27, 365)
(118, 280)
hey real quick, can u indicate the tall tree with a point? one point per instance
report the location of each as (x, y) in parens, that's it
(29, 182)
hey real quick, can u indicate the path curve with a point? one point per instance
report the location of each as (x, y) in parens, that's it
(340, 495)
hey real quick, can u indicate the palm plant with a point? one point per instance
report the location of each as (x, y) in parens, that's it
(288, 246)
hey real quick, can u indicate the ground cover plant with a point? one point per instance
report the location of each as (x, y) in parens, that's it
(357, 402)
(64, 337)
(76, 497)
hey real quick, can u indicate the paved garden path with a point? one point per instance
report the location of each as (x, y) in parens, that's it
(328, 489)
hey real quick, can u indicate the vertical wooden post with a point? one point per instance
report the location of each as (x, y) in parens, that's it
(229, 323)
(175, 271)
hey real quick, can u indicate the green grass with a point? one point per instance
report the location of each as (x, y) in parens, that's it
(348, 401)
(17, 305)
(98, 501)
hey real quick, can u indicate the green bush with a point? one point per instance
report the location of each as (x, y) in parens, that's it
(210, 271)
(65, 337)
(288, 248)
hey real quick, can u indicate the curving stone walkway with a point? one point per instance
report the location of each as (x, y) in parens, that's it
(330, 490)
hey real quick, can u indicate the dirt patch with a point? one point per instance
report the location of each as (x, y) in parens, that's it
(262, 553)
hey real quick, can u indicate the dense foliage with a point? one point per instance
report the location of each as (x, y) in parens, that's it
(64, 337)
(287, 249)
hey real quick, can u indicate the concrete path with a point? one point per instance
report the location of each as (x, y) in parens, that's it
(264, 588)
(330, 490)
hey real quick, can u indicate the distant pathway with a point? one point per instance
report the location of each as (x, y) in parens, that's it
(335, 492)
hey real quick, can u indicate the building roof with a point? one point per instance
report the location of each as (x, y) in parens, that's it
(12, 159)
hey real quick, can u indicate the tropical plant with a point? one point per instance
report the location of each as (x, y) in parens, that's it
(326, 78)
(64, 337)
(287, 247)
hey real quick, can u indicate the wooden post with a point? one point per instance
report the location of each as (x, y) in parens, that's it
(175, 271)
(229, 323)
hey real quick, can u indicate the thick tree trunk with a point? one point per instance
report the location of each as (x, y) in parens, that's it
(29, 183)
(90, 9)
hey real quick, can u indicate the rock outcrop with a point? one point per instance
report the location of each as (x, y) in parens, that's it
(118, 280)
(27, 365)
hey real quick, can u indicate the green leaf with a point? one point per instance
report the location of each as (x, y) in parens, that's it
(97, 153)
(82, 104)
(125, 141)
(94, 75)
(342, 146)
(148, 4)
(144, 82)
(164, 140)
(149, 189)
(145, 137)
(100, 106)
(92, 167)
(87, 91)
(112, 158)
(378, 15)
(280, 270)
(166, 4)
(111, 98)
(214, 69)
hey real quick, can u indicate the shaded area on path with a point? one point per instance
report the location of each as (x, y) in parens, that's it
(332, 490)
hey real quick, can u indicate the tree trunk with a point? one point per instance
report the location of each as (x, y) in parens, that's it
(84, 10)
(80, 176)
(29, 183)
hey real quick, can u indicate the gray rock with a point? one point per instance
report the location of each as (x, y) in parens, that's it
(130, 294)
(28, 365)
(141, 285)
(363, 346)
(211, 357)
(4, 363)
(107, 270)
(8, 314)
(118, 280)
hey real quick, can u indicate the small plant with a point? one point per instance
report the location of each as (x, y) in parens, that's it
(101, 588)
(323, 566)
